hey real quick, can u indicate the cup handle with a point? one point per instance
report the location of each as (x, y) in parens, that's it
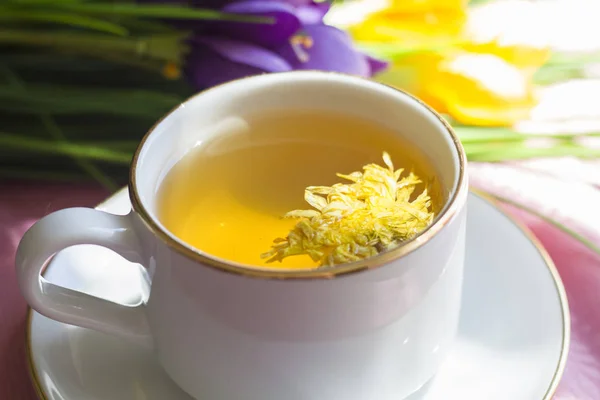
(71, 227)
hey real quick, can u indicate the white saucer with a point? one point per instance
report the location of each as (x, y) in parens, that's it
(512, 344)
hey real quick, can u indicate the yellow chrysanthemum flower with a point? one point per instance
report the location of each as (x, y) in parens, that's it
(354, 221)
(504, 29)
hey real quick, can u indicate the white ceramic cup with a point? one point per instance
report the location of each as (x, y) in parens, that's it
(371, 330)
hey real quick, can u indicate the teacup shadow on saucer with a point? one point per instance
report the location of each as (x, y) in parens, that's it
(95, 353)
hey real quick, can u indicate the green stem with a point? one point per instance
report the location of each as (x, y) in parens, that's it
(148, 64)
(504, 135)
(397, 51)
(495, 153)
(69, 99)
(55, 131)
(122, 145)
(562, 59)
(166, 47)
(61, 18)
(580, 238)
(40, 2)
(95, 172)
(19, 173)
(159, 11)
(18, 142)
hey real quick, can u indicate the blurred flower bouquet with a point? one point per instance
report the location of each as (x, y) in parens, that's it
(82, 80)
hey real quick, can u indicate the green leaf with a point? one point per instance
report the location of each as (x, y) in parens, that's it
(18, 172)
(491, 152)
(50, 60)
(559, 59)
(127, 146)
(41, 2)
(565, 66)
(63, 18)
(85, 164)
(553, 74)
(124, 59)
(397, 51)
(145, 26)
(77, 100)
(166, 47)
(471, 135)
(33, 146)
(157, 11)
(54, 130)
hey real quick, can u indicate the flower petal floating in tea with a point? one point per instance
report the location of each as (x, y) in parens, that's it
(353, 221)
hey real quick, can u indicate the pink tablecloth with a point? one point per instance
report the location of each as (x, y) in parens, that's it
(22, 204)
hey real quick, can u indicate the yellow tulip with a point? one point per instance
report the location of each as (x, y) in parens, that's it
(476, 79)
(414, 74)
(523, 56)
(411, 28)
(474, 89)
(425, 6)
(504, 29)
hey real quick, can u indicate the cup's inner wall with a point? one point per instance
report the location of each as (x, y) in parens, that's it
(201, 117)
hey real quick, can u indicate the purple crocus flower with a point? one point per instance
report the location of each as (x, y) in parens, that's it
(298, 39)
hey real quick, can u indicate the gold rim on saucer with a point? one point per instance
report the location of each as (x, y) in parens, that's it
(566, 328)
(558, 284)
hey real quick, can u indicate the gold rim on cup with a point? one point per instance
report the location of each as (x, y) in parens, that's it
(453, 205)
